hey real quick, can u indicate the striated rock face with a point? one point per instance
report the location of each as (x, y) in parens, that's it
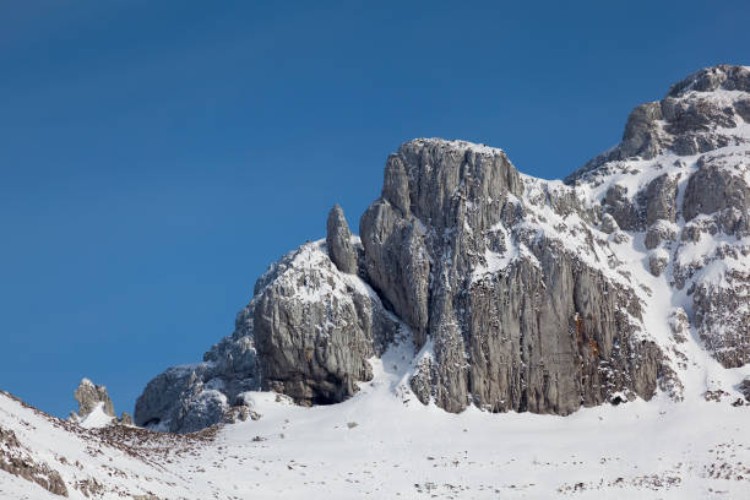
(520, 294)
(315, 327)
(339, 242)
(518, 319)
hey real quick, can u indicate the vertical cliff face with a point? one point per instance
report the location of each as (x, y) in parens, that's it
(521, 294)
(504, 278)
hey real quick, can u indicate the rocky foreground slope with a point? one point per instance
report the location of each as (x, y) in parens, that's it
(516, 293)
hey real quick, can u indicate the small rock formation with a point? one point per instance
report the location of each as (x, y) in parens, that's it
(609, 224)
(89, 396)
(126, 419)
(339, 242)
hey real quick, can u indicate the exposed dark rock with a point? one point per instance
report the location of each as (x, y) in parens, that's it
(657, 262)
(661, 199)
(723, 76)
(658, 233)
(745, 389)
(625, 211)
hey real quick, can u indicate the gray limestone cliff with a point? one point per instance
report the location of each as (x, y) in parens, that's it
(520, 294)
(518, 318)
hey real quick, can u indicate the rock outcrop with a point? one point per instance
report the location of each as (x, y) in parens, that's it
(315, 327)
(90, 395)
(309, 331)
(19, 461)
(521, 294)
(191, 397)
(339, 242)
(698, 115)
(95, 408)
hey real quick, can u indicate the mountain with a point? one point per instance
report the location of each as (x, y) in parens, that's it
(517, 293)
(473, 289)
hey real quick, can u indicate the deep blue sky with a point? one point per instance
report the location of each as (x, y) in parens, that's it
(155, 157)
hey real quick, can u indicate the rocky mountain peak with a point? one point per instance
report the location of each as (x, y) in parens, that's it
(707, 111)
(423, 168)
(515, 293)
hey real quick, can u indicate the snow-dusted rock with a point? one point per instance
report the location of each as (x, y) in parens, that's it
(685, 181)
(315, 327)
(309, 331)
(188, 398)
(92, 398)
(529, 295)
(191, 397)
(698, 115)
(519, 320)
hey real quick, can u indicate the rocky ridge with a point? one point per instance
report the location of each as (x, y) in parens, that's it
(517, 293)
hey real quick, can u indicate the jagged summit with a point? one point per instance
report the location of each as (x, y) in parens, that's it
(450, 144)
(706, 111)
(723, 76)
(512, 293)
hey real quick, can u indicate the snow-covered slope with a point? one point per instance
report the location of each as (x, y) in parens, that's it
(383, 443)
(43, 457)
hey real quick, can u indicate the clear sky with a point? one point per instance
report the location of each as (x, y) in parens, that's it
(156, 156)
